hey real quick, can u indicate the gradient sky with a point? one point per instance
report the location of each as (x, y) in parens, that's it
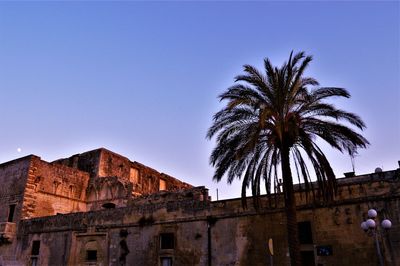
(142, 79)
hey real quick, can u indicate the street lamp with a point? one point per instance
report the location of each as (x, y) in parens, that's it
(370, 227)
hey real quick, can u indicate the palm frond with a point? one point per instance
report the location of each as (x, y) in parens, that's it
(279, 109)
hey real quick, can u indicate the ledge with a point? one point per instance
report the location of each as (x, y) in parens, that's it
(7, 232)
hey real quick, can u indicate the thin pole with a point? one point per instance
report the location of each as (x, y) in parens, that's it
(209, 243)
(389, 242)
(378, 249)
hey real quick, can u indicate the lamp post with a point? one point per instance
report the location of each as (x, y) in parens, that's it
(370, 227)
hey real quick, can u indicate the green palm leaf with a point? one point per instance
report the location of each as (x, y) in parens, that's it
(273, 118)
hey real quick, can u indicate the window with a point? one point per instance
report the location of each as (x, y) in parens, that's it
(35, 248)
(91, 251)
(108, 205)
(91, 255)
(305, 233)
(166, 261)
(149, 183)
(11, 213)
(134, 176)
(163, 184)
(167, 241)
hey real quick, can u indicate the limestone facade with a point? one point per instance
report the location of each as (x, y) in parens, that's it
(99, 208)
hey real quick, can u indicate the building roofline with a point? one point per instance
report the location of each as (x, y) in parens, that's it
(27, 157)
(342, 181)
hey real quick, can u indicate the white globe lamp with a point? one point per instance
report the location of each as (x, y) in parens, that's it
(386, 224)
(372, 213)
(364, 226)
(371, 223)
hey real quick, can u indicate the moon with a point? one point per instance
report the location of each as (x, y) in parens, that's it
(19, 150)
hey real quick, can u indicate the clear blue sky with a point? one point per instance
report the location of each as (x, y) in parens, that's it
(142, 79)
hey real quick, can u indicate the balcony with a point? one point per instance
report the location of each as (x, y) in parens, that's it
(7, 232)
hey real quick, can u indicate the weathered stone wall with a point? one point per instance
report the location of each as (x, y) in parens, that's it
(143, 223)
(87, 162)
(54, 249)
(13, 176)
(149, 181)
(53, 188)
(39, 188)
(223, 230)
(108, 190)
(84, 182)
(113, 164)
(102, 163)
(173, 184)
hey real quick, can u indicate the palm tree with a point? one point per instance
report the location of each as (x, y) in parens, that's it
(273, 119)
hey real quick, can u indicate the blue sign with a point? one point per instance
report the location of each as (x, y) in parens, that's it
(324, 250)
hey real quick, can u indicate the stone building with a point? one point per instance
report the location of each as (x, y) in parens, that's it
(99, 208)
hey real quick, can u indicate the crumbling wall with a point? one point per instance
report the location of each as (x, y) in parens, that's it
(101, 163)
(13, 176)
(198, 194)
(113, 164)
(173, 184)
(108, 192)
(87, 162)
(54, 188)
(149, 181)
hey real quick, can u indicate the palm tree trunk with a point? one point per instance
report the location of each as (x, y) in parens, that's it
(290, 208)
